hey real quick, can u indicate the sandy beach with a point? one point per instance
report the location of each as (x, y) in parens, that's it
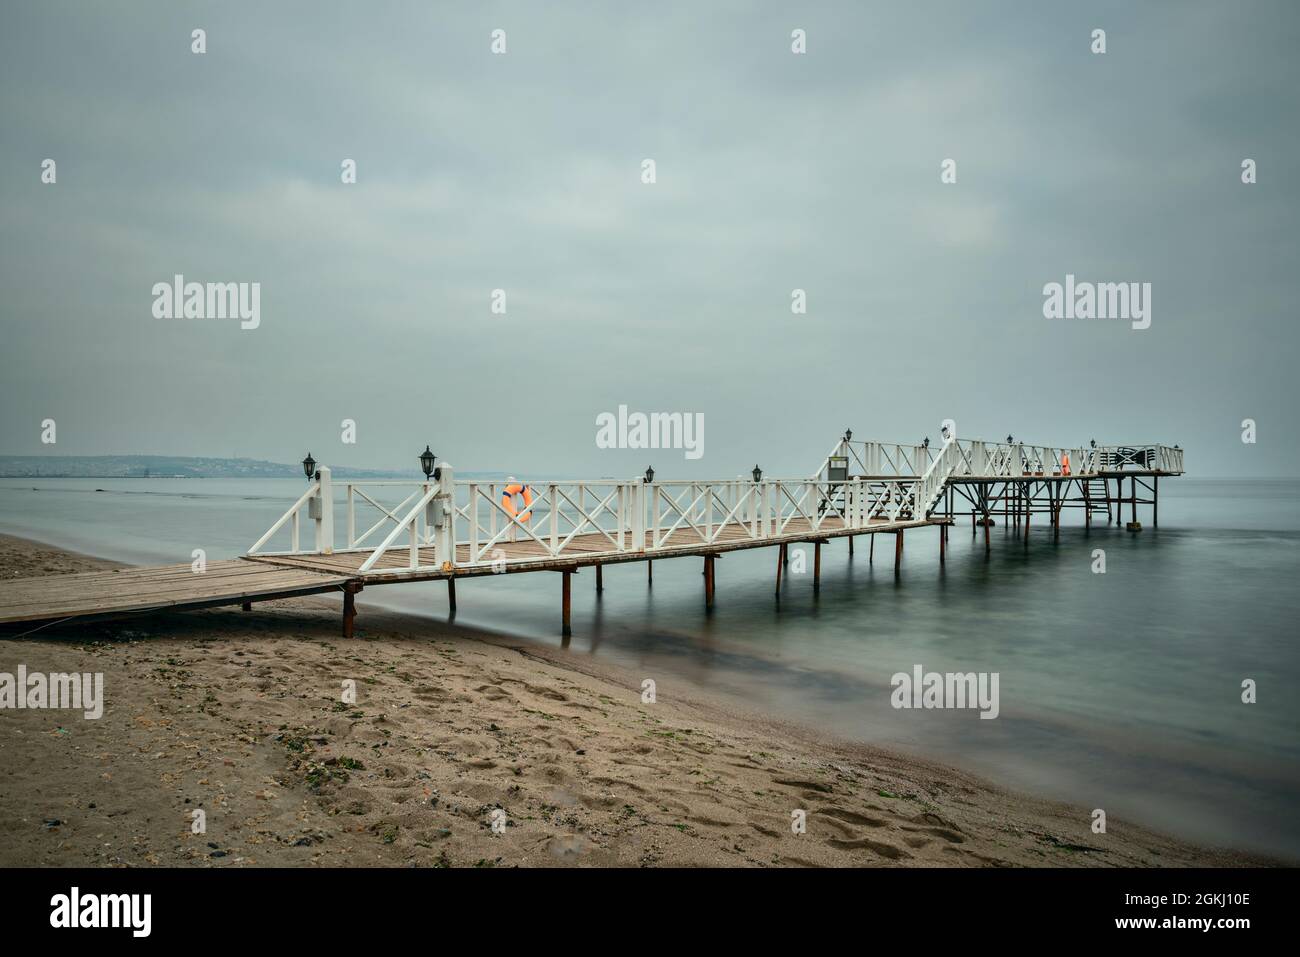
(241, 715)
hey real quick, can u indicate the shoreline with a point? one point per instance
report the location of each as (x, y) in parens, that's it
(238, 714)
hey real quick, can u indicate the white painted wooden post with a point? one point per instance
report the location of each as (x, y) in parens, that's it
(352, 518)
(444, 548)
(473, 522)
(621, 519)
(638, 516)
(325, 513)
(653, 494)
(555, 519)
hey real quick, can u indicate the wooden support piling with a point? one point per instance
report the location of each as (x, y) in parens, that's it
(817, 567)
(451, 595)
(565, 606)
(780, 562)
(349, 607)
(649, 572)
(600, 580)
(247, 606)
(898, 551)
(708, 582)
(943, 534)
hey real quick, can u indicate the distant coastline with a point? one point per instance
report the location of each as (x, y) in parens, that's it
(164, 466)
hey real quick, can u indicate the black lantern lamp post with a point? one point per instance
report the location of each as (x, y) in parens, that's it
(758, 474)
(427, 458)
(848, 435)
(649, 474)
(1010, 440)
(926, 443)
(309, 466)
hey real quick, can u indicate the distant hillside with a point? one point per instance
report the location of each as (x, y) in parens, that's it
(164, 466)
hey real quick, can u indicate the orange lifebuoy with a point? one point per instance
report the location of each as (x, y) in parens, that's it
(1065, 463)
(508, 501)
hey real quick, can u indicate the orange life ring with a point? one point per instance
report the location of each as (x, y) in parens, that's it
(1065, 464)
(508, 501)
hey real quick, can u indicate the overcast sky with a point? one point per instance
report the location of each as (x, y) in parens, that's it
(522, 171)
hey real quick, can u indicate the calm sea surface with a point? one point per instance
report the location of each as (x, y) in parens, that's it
(1120, 691)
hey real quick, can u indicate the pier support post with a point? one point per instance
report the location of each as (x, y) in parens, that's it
(817, 567)
(600, 580)
(1134, 525)
(247, 606)
(350, 590)
(708, 582)
(1155, 501)
(871, 549)
(780, 562)
(451, 594)
(565, 605)
(943, 534)
(898, 551)
(649, 572)
(851, 537)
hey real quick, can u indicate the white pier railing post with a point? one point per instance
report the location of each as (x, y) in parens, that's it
(324, 512)
(638, 516)
(444, 517)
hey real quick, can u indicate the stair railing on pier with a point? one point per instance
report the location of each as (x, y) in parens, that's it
(932, 483)
(318, 501)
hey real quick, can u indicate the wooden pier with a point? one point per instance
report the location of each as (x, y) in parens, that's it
(444, 529)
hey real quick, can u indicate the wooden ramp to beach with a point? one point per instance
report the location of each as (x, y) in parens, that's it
(135, 591)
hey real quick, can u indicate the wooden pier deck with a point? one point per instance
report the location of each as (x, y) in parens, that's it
(137, 591)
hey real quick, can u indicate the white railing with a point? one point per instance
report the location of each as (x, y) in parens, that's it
(442, 523)
(949, 460)
(881, 459)
(1000, 459)
(447, 523)
(415, 520)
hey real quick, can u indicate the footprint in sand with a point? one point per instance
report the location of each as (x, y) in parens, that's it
(865, 843)
(494, 693)
(817, 786)
(569, 847)
(851, 817)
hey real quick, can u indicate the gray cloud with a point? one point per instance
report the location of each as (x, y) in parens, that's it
(522, 172)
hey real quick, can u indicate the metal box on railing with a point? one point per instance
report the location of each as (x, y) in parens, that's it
(837, 468)
(314, 507)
